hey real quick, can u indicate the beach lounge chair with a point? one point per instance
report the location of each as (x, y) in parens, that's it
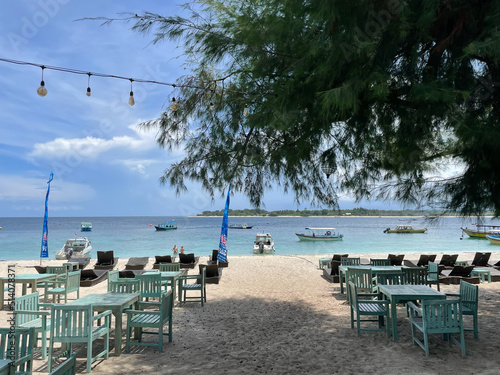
(481, 259)
(433, 274)
(17, 346)
(396, 260)
(161, 259)
(68, 367)
(188, 260)
(424, 260)
(92, 277)
(331, 273)
(457, 274)
(469, 296)
(136, 263)
(105, 260)
(448, 261)
(214, 260)
(213, 273)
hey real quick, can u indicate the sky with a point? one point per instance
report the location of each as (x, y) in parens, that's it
(103, 163)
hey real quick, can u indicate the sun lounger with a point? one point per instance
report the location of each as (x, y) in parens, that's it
(425, 259)
(161, 259)
(92, 277)
(129, 274)
(481, 259)
(106, 260)
(213, 273)
(136, 263)
(448, 261)
(188, 260)
(332, 274)
(458, 273)
(396, 260)
(213, 259)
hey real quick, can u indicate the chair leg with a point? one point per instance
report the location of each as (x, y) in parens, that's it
(44, 345)
(160, 339)
(476, 331)
(89, 356)
(127, 340)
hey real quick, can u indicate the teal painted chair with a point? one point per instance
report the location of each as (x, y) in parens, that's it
(437, 317)
(415, 275)
(68, 367)
(433, 274)
(350, 261)
(170, 267)
(150, 286)
(20, 342)
(370, 308)
(469, 296)
(380, 262)
(362, 278)
(28, 315)
(197, 286)
(60, 271)
(124, 286)
(139, 319)
(393, 278)
(64, 287)
(76, 324)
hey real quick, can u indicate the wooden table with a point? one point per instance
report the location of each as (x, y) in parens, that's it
(172, 276)
(397, 293)
(375, 270)
(116, 302)
(25, 279)
(483, 274)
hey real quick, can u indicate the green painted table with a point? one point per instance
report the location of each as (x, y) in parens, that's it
(171, 276)
(375, 269)
(397, 293)
(482, 275)
(116, 302)
(25, 279)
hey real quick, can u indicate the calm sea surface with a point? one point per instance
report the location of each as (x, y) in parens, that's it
(20, 238)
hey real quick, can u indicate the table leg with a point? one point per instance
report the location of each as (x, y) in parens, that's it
(341, 281)
(118, 331)
(33, 287)
(394, 319)
(25, 285)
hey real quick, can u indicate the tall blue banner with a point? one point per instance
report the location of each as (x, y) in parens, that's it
(222, 255)
(44, 252)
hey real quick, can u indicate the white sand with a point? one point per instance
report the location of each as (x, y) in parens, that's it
(278, 315)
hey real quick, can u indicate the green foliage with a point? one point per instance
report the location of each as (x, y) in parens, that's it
(389, 94)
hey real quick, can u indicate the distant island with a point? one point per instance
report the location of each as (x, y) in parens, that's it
(360, 211)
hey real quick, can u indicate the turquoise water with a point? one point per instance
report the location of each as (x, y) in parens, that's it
(20, 238)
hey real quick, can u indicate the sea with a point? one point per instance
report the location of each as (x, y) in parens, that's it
(20, 238)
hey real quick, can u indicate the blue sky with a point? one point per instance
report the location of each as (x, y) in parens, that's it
(103, 164)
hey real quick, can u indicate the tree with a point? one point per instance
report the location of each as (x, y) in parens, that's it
(385, 95)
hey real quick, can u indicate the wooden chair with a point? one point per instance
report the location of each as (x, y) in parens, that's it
(437, 316)
(380, 262)
(415, 275)
(469, 296)
(60, 271)
(383, 278)
(170, 267)
(362, 308)
(75, 324)
(28, 315)
(68, 367)
(19, 344)
(63, 287)
(199, 285)
(362, 279)
(113, 275)
(350, 261)
(433, 274)
(151, 319)
(124, 286)
(150, 286)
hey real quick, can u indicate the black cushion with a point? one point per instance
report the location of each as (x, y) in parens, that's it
(126, 274)
(396, 260)
(163, 259)
(448, 260)
(483, 259)
(335, 267)
(338, 256)
(88, 275)
(214, 255)
(497, 264)
(211, 271)
(105, 258)
(425, 259)
(186, 258)
(461, 271)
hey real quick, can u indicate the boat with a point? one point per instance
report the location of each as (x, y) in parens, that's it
(405, 229)
(494, 239)
(240, 226)
(482, 231)
(85, 226)
(78, 247)
(320, 234)
(166, 226)
(263, 244)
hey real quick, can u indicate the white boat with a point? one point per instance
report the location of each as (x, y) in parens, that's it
(263, 244)
(320, 234)
(86, 226)
(79, 247)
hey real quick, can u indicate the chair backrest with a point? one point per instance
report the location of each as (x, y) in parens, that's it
(425, 259)
(396, 278)
(469, 295)
(350, 261)
(17, 346)
(352, 291)
(166, 305)
(187, 258)
(442, 316)
(71, 323)
(124, 286)
(415, 275)
(481, 259)
(68, 367)
(167, 267)
(112, 277)
(73, 281)
(58, 269)
(448, 260)
(362, 279)
(214, 255)
(150, 285)
(433, 270)
(29, 302)
(396, 260)
(105, 258)
(380, 262)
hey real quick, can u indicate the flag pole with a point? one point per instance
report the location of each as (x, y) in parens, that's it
(44, 252)
(222, 254)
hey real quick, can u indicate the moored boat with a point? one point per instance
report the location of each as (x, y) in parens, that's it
(494, 239)
(86, 226)
(482, 231)
(240, 226)
(405, 229)
(263, 244)
(166, 226)
(320, 234)
(79, 247)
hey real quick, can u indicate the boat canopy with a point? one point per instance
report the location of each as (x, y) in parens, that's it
(311, 228)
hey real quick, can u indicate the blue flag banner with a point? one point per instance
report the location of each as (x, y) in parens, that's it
(222, 255)
(44, 252)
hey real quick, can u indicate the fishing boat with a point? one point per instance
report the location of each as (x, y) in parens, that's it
(405, 229)
(86, 226)
(166, 226)
(482, 231)
(78, 247)
(240, 226)
(494, 239)
(320, 234)
(263, 244)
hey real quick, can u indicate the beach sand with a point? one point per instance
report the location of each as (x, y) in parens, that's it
(278, 315)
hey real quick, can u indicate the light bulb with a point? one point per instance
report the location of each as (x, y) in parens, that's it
(88, 91)
(245, 111)
(211, 106)
(131, 100)
(42, 91)
(173, 106)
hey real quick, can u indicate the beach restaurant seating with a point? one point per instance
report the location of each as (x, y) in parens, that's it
(448, 261)
(169, 267)
(105, 260)
(17, 349)
(380, 262)
(481, 259)
(199, 285)
(396, 260)
(77, 324)
(350, 261)
(150, 286)
(457, 274)
(82, 262)
(424, 260)
(213, 273)
(64, 287)
(213, 259)
(188, 260)
(469, 296)
(68, 367)
(437, 317)
(136, 263)
(331, 273)
(374, 308)
(28, 315)
(433, 274)
(161, 259)
(156, 319)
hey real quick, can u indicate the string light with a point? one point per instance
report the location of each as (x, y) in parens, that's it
(42, 91)
(212, 106)
(245, 111)
(174, 105)
(88, 86)
(131, 100)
